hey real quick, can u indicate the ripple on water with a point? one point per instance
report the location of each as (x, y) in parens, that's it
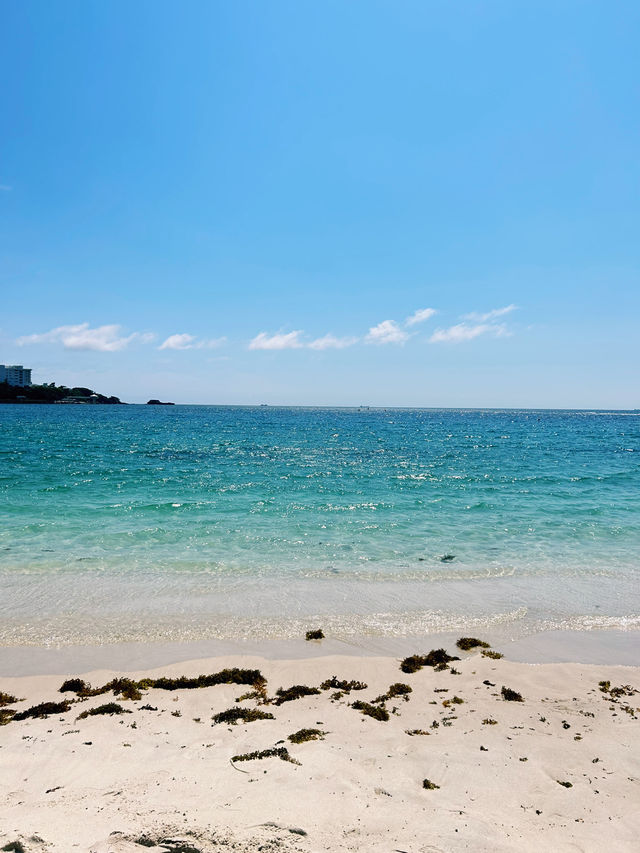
(121, 520)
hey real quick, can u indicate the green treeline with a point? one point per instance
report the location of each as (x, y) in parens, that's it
(47, 393)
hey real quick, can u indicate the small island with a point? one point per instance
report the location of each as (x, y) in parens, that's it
(158, 403)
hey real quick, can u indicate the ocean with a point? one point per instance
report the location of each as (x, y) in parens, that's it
(145, 523)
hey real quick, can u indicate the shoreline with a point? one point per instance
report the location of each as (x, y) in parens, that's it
(612, 647)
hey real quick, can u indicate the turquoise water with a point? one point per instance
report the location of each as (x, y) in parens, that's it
(189, 522)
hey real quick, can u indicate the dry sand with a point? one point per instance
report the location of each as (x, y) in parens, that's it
(559, 771)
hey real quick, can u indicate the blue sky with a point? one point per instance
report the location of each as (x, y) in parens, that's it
(248, 202)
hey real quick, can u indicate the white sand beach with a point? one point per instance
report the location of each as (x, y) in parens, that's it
(559, 770)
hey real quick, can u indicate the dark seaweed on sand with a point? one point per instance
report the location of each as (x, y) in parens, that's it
(110, 709)
(617, 692)
(511, 695)
(397, 689)
(258, 695)
(75, 685)
(335, 683)
(304, 735)
(129, 689)
(7, 699)
(295, 692)
(276, 752)
(437, 658)
(44, 709)
(468, 643)
(6, 715)
(246, 715)
(378, 712)
(125, 687)
(314, 635)
(252, 677)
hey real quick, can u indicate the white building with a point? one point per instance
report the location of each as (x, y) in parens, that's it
(15, 374)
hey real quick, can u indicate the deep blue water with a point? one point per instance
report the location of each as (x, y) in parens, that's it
(141, 522)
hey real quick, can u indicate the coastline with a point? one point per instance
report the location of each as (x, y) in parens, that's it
(177, 529)
(559, 770)
(602, 647)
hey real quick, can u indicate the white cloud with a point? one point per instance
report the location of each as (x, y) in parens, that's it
(178, 342)
(490, 315)
(464, 332)
(185, 341)
(82, 337)
(331, 342)
(420, 316)
(387, 332)
(291, 340)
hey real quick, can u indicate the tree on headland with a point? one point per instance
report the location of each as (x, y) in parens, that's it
(49, 393)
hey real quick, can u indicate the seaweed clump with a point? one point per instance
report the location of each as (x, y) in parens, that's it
(303, 735)
(564, 784)
(613, 694)
(6, 715)
(7, 699)
(252, 677)
(258, 695)
(437, 658)
(489, 653)
(125, 687)
(246, 715)
(110, 708)
(511, 695)
(75, 685)
(129, 689)
(378, 712)
(295, 692)
(394, 690)
(342, 684)
(44, 709)
(275, 752)
(468, 643)
(316, 634)
(429, 785)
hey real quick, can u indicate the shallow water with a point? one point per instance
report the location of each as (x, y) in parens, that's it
(194, 522)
